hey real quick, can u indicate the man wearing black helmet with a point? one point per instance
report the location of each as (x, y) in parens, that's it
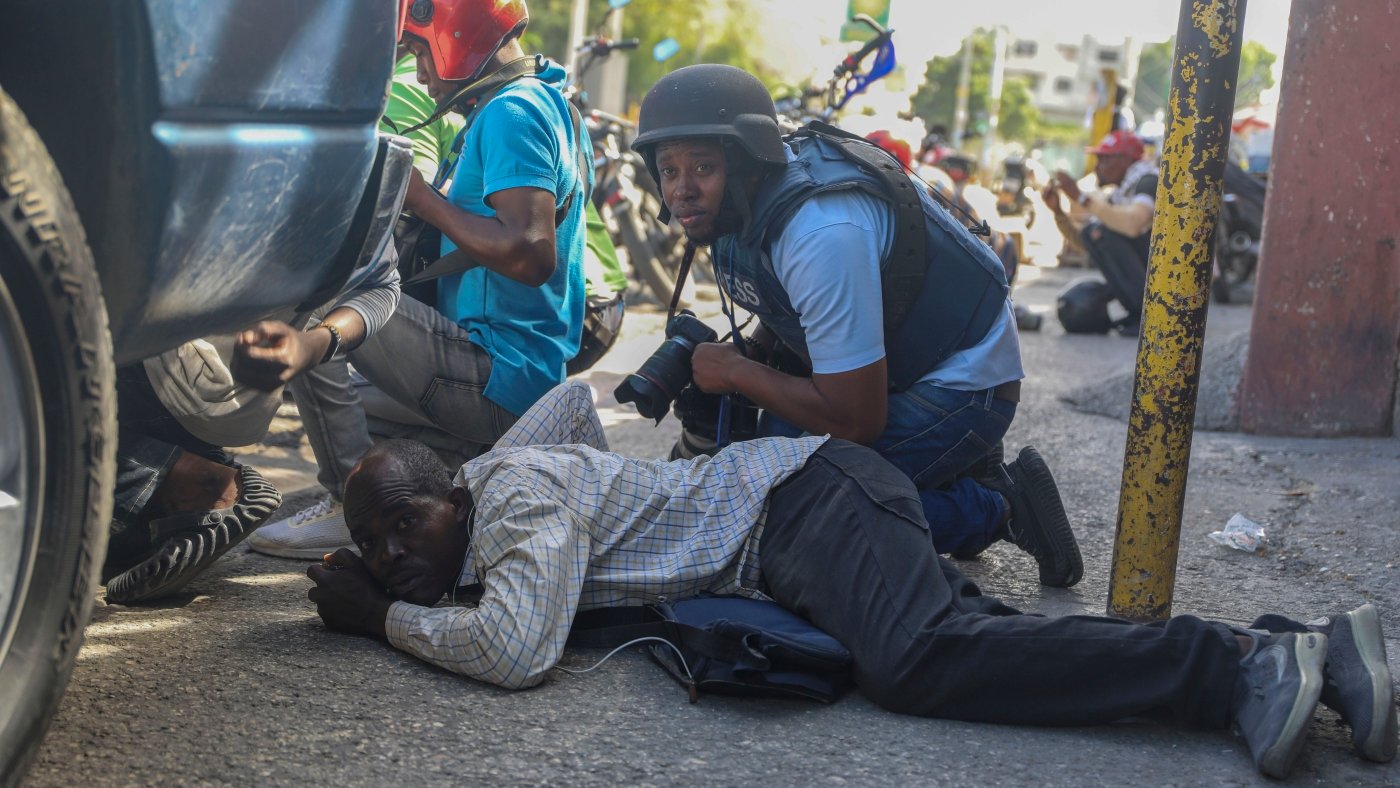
(828, 243)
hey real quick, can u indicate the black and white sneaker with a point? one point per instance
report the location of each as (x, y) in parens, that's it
(186, 543)
(1275, 694)
(1357, 680)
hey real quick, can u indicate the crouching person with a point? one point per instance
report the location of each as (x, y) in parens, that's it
(181, 500)
(832, 532)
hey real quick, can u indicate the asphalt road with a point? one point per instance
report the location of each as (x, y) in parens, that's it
(236, 682)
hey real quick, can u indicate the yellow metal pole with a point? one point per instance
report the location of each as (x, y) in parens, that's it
(1101, 122)
(1206, 65)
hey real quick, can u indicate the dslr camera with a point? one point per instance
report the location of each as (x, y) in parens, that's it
(665, 378)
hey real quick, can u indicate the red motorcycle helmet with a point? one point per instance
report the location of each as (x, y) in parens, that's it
(462, 34)
(895, 147)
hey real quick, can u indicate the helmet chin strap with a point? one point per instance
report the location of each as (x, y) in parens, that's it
(474, 90)
(736, 210)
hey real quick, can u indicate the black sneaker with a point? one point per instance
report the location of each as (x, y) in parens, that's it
(1129, 327)
(1275, 695)
(1357, 680)
(1038, 522)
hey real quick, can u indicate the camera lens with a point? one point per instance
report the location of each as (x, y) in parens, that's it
(661, 378)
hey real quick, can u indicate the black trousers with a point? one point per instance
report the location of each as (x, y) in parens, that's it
(1123, 263)
(846, 546)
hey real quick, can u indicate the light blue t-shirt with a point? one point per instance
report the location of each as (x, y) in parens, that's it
(828, 261)
(523, 137)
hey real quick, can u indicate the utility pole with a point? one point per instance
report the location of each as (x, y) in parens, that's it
(1206, 66)
(964, 89)
(994, 99)
(577, 21)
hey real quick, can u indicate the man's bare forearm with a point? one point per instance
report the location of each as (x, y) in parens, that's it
(520, 254)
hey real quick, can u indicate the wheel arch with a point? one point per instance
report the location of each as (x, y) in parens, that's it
(83, 73)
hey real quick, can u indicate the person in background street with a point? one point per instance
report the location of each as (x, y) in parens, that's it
(500, 333)
(802, 246)
(935, 145)
(1116, 228)
(551, 524)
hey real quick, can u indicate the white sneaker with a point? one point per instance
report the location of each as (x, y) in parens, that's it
(310, 533)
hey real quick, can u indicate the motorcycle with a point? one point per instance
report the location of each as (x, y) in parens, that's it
(627, 197)
(847, 81)
(1238, 232)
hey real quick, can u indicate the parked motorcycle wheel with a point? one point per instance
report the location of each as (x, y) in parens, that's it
(645, 256)
(1234, 262)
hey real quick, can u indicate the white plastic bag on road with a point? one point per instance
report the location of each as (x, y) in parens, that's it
(1241, 533)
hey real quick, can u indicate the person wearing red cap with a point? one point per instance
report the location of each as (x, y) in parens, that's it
(1115, 228)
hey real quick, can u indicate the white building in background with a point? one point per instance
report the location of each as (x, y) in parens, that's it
(1065, 78)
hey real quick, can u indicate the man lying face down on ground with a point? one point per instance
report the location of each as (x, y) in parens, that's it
(552, 523)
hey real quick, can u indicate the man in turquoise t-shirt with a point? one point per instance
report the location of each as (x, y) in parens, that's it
(525, 303)
(502, 331)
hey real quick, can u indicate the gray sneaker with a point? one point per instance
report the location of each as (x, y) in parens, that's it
(1275, 695)
(1357, 680)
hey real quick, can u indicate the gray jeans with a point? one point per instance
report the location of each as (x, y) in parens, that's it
(426, 382)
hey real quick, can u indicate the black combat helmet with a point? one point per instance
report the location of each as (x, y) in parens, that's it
(710, 100)
(1083, 307)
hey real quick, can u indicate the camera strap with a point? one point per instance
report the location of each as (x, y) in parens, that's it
(726, 305)
(688, 259)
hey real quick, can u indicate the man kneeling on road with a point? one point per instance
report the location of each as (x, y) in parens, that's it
(894, 318)
(830, 531)
(1116, 229)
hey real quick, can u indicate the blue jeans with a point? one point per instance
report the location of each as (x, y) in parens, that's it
(149, 440)
(932, 434)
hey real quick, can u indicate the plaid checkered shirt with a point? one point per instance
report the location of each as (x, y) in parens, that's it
(562, 525)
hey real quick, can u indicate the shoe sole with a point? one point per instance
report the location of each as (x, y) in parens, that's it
(302, 553)
(1310, 652)
(1366, 637)
(1051, 515)
(182, 557)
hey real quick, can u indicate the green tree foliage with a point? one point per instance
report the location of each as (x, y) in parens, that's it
(1154, 78)
(1256, 73)
(936, 101)
(709, 31)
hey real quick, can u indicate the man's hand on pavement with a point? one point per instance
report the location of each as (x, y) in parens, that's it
(712, 366)
(271, 353)
(347, 597)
